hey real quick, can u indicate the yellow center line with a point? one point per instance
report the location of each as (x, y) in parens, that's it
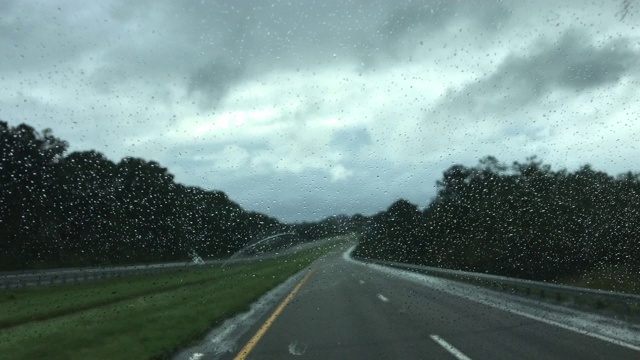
(242, 355)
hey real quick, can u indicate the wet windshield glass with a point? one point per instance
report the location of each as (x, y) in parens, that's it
(386, 176)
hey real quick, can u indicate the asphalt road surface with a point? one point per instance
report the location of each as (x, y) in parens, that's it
(344, 310)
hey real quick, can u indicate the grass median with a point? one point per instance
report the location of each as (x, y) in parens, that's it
(135, 318)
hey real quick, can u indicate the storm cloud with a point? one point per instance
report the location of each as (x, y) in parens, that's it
(568, 63)
(305, 109)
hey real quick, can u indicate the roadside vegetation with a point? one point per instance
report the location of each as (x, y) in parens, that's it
(524, 220)
(79, 209)
(626, 309)
(142, 317)
(613, 278)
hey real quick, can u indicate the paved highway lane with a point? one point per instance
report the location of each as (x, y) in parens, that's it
(345, 310)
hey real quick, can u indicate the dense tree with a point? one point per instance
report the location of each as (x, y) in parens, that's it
(28, 163)
(524, 220)
(83, 209)
(330, 226)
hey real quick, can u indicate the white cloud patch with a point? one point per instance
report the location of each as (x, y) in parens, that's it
(340, 173)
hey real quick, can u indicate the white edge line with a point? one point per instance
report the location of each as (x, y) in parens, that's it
(347, 256)
(452, 350)
(566, 327)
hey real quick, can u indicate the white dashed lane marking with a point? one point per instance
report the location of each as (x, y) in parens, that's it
(452, 350)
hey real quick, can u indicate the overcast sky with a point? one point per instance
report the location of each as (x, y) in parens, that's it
(304, 109)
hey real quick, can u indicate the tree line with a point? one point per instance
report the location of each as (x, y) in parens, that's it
(524, 220)
(80, 208)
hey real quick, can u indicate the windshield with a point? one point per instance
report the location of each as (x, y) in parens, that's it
(324, 179)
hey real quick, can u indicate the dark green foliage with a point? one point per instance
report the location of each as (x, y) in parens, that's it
(83, 209)
(523, 221)
(331, 226)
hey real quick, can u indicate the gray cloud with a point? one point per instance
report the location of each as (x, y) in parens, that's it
(44, 37)
(303, 109)
(433, 16)
(568, 63)
(571, 63)
(240, 41)
(212, 81)
(351, 139)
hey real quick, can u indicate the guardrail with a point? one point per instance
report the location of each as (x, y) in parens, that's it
(620, 302)
(75, 276)
(33, 278)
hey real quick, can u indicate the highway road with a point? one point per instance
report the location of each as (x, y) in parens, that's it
(342, 309)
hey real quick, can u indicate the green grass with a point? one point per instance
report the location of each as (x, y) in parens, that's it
(612, 278)
(135, 318)
(21, 306)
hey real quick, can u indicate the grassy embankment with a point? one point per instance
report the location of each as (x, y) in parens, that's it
(599, 280)
(612, 278)
(587, 302)
(135, 317)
